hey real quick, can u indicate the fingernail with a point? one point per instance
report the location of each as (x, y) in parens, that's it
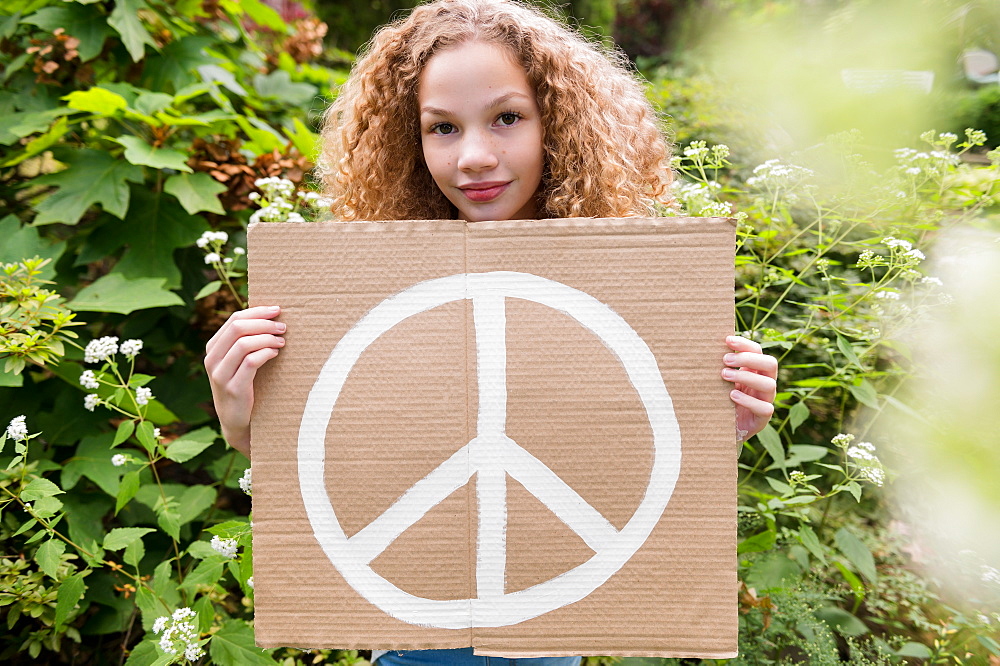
(273, 308)
(729, 358)
(281, 342)
(729, 373)
(281, 327)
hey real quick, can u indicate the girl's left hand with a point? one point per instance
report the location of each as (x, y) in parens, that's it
(754, 373)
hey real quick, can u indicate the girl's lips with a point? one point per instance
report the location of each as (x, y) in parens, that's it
(480, 194)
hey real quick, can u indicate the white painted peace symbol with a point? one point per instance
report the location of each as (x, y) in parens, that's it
(491, 455)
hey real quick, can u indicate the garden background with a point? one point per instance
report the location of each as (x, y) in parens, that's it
(138, 137)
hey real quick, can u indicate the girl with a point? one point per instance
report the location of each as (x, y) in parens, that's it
(481, 110)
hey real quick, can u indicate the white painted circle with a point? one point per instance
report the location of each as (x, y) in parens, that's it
(571, 586)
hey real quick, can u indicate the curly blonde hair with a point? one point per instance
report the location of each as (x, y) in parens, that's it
(604, 153)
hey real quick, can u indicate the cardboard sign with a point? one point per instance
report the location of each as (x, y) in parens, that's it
(509, 435)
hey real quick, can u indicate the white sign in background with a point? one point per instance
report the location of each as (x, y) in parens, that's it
(490, 457)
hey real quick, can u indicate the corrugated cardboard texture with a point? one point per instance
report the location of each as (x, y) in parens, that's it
(513, 579)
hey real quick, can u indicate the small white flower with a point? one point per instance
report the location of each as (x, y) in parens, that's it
(89, 380)
(842, 440)
(118, 460)
(101, 349)
(873, 474)
(932, 280)
(913, 171)
(143, 395)
(212, 258)
(130, 348)
(239, 250)
(250, 582)
(156, 433)
(245, 484)
(227, 260)
(160, 623)
(296, 218)
(253, 196)
(90, 401)
(17, 429)
(226, 547)
(860, 453)
(192, 652)
(182, 613)
(887, 295)
(916, 254)
(202, 242)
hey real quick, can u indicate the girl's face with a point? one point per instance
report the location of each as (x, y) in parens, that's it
(481, 132)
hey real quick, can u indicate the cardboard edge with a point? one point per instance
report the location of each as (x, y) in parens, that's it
(666, 654)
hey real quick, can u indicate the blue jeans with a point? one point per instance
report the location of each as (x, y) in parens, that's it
(464, 657)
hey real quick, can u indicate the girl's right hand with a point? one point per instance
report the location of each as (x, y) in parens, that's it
(245, 342)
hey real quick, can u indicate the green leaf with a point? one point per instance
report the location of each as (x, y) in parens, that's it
(989, 644)
(772, 443)
(16, 126)
(138, 151)
(48, 556)
(918, 651)
(120, 537)
(39, 488)
(857, 553)
(216, 74)
(148, 103)
(70, 592)
(264, 15)
(811, 542)
(144, 654)
(208, 289)
(115, 293)
(206, 613)
(22, 241)
(155, 226)
(127, 490)
(144, 433)
(134, 552)
(93, 460)
(125, 430)
(194, 501)
(779, 487)
(191, 444)
(278, 85)
(196, 192)
(41, 143)
(207, 572)
(841, 621)
(96, 100)
(176, 66)
(125, 19)
(797, 415)
(88, 24)
(92, 176)
(848, 351)
(864, 393)
(304, 139)
(233, 645)
(757, 543)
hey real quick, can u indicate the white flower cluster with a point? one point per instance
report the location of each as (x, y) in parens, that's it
(775, 174)
(212, 237)
(226, 547)
(250, 582)
(101, 349)
(17, 429)
(904, 250)
(212, 258)
(119, 459)
(314, 199)
(868, 465)
(179, 634)
(143, 395)
(131, 348)
(887, 295)
(278, 203)
(245, 483)
(915, 162)
(932, 280)
(698, 199)
(274, 187)
(278, 210)
(90, 401)
(842, 440)
(88, 380)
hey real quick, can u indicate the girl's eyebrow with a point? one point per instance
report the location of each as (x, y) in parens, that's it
(492, 104)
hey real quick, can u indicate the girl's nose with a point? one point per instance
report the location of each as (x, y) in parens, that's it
(477, 153)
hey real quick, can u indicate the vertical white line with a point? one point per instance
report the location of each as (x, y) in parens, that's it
(491, 358)
(487, 448)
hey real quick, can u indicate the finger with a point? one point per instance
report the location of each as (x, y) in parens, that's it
(224, 371)
(757, 407)
(753, 361)
(741, 344)
(233, 331)
(763, 384)
(259, 312)
(242, 382)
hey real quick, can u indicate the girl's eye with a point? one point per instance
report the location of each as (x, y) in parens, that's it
(508, 118)
(443, 128)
